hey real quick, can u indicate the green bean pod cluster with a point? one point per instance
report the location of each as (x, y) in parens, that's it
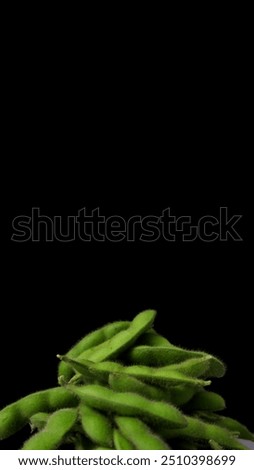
(124, 387)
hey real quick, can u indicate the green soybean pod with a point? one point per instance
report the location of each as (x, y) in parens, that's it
(51, 437)
(77, 366)
(102, 370)
(129, 404)
(172, 355)
(96, 426)
(177, 395)
(91, 340)
(160, 355)
(39, 421)
(15, 416)
(195, 367)
(206, 401)
(111, 348)
(229, 423)
(126, 383)
(141, 436)
(163, 376)
(198, 429)
(206, 366)
(216, 368)
(235, 426)
(152, 338)
(92, 371)
(181, 394)
(120, 442)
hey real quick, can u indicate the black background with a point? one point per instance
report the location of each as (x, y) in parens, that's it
(130, 142)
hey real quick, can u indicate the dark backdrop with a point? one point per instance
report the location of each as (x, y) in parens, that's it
(137, 141)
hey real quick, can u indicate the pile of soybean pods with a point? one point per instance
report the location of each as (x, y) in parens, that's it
(124, 386)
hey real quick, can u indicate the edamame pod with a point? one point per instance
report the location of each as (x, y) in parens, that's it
(89, 341)
(129, 404)
(120, 442)
(121, 341)
(197, 429)
(163, 376)
(154, 355)
(195, 367)
(140, 434)
(229, 423)
(126, 383)
(206, 401)
(234, 426)
(152, 338)
(167, 355)
(51, 437)
(102, 370)
(39, 421)
(127, 372)
(77, 366)
(181, 394)
(96, 426)
(15, 416)
(91, 371)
